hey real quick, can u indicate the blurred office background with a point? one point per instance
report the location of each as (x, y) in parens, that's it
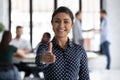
(35, 17)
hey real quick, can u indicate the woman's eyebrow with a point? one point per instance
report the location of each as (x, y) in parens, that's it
(59, 19)
(67, 19)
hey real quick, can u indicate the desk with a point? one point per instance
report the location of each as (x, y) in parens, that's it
(29, 61)
(27, 65)
(91, 55)
(28, 58)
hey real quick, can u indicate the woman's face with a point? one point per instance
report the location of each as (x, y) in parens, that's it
(62, 25)
(45, 39)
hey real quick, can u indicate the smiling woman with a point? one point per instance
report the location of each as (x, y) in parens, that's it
(61, 59)
(62, 25)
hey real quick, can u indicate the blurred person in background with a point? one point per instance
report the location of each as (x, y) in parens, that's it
(19, 42)
(23, 44)
(104, 44)
(7, 70)
(78, 32)
(77, 29)
(45, 40)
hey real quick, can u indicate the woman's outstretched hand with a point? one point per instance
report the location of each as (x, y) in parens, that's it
(48, 57)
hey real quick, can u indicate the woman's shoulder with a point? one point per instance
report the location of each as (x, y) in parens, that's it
(80, 46)
(78, 49)
(12, 47)
(77, 45)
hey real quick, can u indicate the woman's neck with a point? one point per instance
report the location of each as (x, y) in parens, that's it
(62, 41)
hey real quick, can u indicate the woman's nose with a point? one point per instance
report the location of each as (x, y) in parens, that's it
(61, 24)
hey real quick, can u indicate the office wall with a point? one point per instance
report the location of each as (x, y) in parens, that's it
(113, 10)
(4, 12)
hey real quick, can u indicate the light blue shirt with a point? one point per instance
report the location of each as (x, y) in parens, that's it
(77, 31)
(104, 32)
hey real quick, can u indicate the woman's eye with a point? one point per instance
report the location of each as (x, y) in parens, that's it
(57, 21)
(66, 22)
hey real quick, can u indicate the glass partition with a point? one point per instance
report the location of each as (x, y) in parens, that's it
(20, 16)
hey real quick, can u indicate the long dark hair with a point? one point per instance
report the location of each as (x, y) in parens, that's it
(6, 38)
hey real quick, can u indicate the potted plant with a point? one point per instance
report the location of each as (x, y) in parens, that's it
(1, 27)
(1, 30)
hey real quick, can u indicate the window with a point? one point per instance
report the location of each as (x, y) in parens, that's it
(73, 5)
(42, 12)
(90, 20)
(20, 16)
(41, 18)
